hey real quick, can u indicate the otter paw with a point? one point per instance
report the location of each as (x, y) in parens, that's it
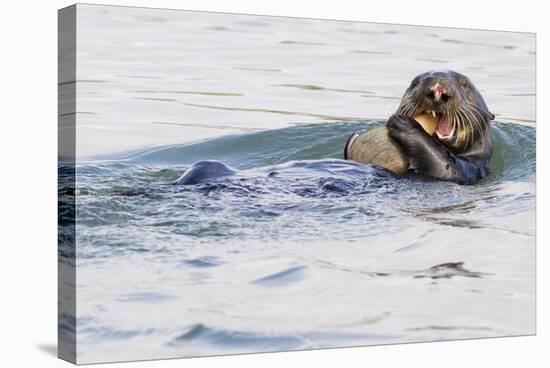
(399, 122)
(402, 127)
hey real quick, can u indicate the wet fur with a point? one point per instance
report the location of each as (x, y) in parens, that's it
(463, 159)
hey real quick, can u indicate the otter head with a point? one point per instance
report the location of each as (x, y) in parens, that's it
(461, 113)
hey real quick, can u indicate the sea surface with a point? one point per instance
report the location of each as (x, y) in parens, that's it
(300, 249)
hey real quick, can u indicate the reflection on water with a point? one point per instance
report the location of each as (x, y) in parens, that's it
(299, 249)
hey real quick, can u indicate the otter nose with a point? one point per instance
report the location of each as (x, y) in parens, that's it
(437, 93)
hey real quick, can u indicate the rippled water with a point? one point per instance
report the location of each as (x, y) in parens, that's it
(299, 249)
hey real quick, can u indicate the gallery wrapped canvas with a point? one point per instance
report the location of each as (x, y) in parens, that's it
(239, 184)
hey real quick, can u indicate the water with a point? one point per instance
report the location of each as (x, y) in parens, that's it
(299, 249)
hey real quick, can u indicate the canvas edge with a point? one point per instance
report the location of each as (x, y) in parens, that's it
(66, 196)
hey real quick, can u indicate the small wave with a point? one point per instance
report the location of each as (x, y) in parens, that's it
(203, 262)
(282, 278)
(144, 297)
(237, 339)
(276, 341)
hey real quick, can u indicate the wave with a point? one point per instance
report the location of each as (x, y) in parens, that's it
(514, 148)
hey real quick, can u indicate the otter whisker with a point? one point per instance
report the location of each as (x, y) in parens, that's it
(477, 111)
(463, 127)
(408, 106)
(474, 123)
(471, 127)
(481, 117)
(482, 128)
(480, 108)
(404, 106)
(461, 124)
(412, 110)
(477, 126)
(455, 122)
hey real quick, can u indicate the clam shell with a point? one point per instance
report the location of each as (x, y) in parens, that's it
(376, 147)
(427, 121)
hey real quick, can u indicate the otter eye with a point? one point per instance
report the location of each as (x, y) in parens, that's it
(414, 82)
(464, 83)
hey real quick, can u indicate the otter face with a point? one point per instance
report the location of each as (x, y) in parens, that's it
(461, 113)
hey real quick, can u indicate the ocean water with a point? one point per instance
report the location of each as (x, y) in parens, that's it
(299, 249)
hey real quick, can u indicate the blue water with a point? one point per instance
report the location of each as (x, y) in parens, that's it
(296, 218)
(292, 184)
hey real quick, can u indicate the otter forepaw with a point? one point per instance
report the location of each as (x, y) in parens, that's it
(420, 147)
(399, 122)
(402, 127)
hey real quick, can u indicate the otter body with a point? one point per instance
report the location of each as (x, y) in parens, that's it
(205, 170)
(460, 147)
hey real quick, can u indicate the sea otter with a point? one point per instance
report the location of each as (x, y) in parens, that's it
(461, 147)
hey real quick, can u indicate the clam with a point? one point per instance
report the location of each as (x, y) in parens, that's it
(376, 147)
